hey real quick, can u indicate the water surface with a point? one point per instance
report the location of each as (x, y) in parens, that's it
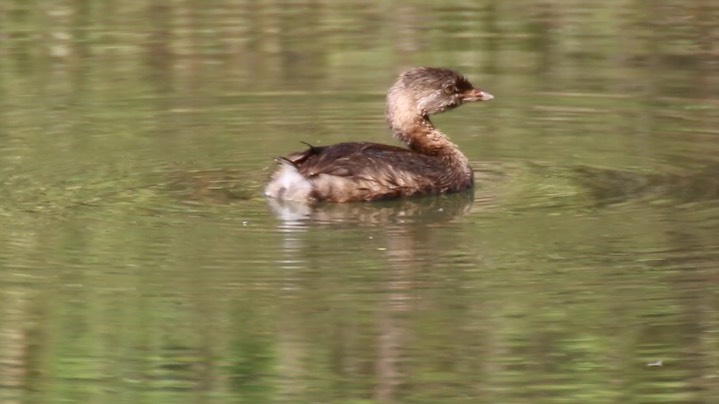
(141, 263)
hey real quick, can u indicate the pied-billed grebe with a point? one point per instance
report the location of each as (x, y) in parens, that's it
(360, 171)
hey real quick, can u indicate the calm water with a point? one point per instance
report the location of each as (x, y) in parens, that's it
(140, 262)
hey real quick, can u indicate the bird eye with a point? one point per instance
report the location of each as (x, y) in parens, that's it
(451, 89)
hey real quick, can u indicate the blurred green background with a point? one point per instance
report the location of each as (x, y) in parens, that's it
(140, 263)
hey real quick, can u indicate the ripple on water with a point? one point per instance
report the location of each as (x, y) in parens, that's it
(160, 188)
(525, 186)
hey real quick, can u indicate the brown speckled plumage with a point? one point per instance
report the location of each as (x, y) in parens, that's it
(359, 171)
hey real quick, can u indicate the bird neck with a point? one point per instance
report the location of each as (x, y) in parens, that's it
(421, 136)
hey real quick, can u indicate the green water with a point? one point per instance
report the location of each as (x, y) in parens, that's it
(140, 262)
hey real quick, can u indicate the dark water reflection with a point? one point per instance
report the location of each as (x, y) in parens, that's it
(423, 210)
(140, 261)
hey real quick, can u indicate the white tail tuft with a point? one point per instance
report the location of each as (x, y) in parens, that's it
(288, 184)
